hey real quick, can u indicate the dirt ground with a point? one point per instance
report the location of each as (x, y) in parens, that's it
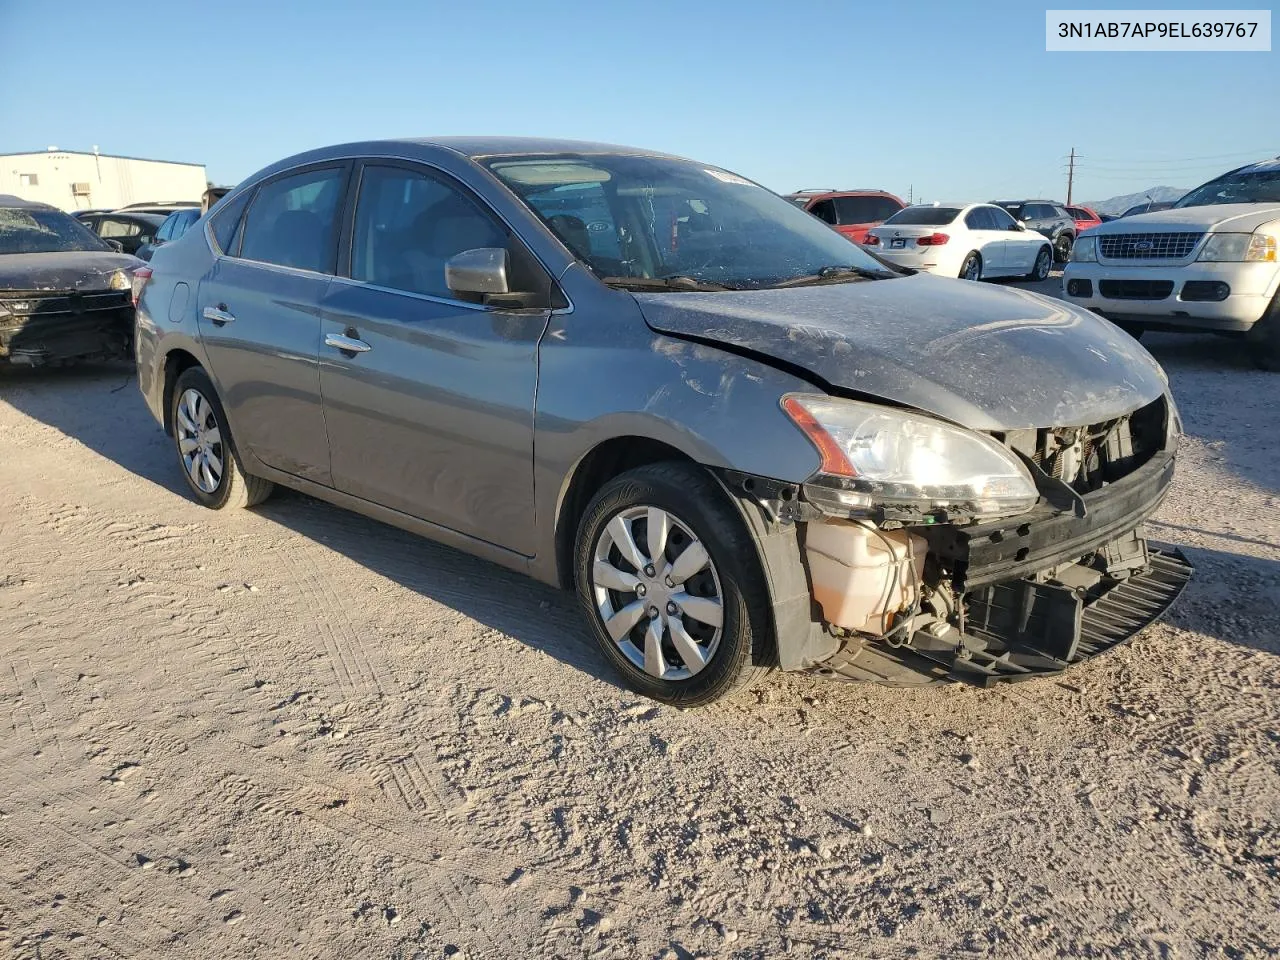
(293, 732)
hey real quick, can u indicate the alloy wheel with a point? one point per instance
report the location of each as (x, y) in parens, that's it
(972, 268)
(1042, 263)
(657, 592)
(199, 441)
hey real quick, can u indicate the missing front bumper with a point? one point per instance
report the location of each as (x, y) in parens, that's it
(1025, 629)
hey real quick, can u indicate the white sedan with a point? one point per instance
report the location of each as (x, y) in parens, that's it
(974, 241)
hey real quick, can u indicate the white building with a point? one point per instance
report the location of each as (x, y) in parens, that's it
(73, 180)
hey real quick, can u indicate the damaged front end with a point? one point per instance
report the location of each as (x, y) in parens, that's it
(48, 326)
(952, 584)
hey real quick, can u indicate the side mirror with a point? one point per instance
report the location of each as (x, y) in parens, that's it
(115, 245)
(1019, 225)
(479, 271)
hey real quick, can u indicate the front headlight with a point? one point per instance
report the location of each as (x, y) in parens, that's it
(119, 281)
(890, 457)
(1239, 248)
(1085, 250)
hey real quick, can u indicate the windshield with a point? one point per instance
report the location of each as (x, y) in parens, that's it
(1245, 186)
(923, 216)
(653, 218)
(31, 230)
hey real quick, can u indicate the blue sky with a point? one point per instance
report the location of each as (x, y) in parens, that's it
(956, 99)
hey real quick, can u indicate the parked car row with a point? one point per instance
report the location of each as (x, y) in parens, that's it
(737, 436)
(140, 227)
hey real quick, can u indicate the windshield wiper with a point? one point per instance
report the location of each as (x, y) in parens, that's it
(676, 282)
(839, 274)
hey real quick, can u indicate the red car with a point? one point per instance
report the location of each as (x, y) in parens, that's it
(850, 212)
(1085, 218)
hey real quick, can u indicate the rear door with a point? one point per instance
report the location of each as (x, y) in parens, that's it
(431, 413)
(989, 242)
(259, 316)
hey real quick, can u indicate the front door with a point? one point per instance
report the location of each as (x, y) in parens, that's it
(259, 316)
(429, 398)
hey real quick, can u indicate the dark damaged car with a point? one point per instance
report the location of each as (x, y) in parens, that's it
(743, 441)
(64, 292)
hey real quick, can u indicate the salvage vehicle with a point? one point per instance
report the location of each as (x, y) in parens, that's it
(973, 241)
(64, 292)
(850, 213)
(1208, 264)
(741, 440)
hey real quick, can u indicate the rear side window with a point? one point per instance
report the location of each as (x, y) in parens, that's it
(824, 210)
(116, 229)
(853, 210)
(292, 221)
(226, 219)
(979, 218)
(165, 233)
(408, 225)
(924, 216)
(1000, 219)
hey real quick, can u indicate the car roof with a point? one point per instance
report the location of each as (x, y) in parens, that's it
(477, 147)
(12, 202)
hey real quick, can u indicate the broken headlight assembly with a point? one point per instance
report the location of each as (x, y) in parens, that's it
(907, 465)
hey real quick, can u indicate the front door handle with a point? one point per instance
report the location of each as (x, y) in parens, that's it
(219, 315)
(346, 344)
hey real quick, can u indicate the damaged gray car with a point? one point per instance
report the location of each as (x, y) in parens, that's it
(64, 292)
(743, 441)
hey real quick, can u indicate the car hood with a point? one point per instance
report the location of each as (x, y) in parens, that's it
(1223, 217)
(987, 357)
(70, 270)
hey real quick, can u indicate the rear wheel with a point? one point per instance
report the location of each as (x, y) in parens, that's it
(668, 575)
(971, 269)
(1040, 269)
(202, 440)
(1062, 247)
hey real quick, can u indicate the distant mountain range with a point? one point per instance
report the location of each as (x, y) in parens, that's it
(1118, 205)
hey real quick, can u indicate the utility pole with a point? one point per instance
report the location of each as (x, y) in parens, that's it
(1071, 173)
(910, 194)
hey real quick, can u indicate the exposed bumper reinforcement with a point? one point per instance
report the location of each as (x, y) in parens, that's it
(1058, 630)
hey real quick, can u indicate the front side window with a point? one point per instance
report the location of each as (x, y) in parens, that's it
(293, 220)
(409, 224)
(670, 219)
(1257, 185)
(31, 230)
(852, 210)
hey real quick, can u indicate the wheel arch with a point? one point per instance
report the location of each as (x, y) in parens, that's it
(176, 362)
(594, 469)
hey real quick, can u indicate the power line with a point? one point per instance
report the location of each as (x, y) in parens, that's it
(1172, 160)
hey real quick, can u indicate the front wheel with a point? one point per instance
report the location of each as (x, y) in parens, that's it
(1264, 339)
(669, 576)
(205, 450)
(1040, 269)
(971, 269)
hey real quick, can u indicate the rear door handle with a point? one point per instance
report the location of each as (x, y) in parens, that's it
(219, 315)
(346, 344)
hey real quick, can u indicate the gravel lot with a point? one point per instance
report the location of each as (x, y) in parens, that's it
(295, 732)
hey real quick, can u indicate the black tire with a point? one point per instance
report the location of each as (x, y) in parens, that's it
(1044, 262)
(1135, 330)
(745, 648)
(234, 487)
(1062, 247)
(972, 265)
(1264, 339)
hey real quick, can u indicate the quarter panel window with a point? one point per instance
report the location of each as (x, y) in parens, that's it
(409, 224)
(293, 220)
(824, 210)
(226, 220)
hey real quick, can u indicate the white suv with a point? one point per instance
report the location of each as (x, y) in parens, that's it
(1210, 263)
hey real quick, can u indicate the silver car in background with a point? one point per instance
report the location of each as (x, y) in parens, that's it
(742, 440)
